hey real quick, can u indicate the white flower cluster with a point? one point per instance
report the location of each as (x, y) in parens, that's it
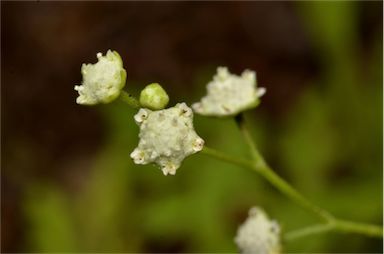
(258, 234)
(229, 94)
(166, 137)
(103, 81)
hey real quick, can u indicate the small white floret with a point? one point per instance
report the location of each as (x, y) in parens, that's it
(141, 115)
(166, 137)
(138, 156)
(102, 81)
(261, 91)
(258, 234)
(229, 94)
(198, 144)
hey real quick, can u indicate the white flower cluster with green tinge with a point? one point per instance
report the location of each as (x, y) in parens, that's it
(258, 234)
(166, 137)
(229, 94)
(103, 81)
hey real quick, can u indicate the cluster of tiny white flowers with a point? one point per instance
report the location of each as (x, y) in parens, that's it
(103, 81)
(229, 94)
(258, 234)
(166, 137)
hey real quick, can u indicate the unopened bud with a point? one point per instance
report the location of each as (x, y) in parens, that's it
(154, 97)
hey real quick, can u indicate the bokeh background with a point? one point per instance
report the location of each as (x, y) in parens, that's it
(68, 183)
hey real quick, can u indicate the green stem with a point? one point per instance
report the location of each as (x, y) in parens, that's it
(259, 165)
(129, 99)
(227, 158)
(262, 167)
(359, 228)
(240, 121)
(271, 177)
(293, 194)
(310, 230)
(337, 225)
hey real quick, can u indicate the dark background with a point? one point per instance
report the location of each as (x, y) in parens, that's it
(68, 183)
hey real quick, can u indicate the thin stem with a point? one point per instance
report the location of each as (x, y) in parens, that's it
(310, 230)
(262, 167)
(240, 121)
(259, 165)
(224, 157)
(272, 177)
(129, 99)
(360, 228)
(331, 223)
(337, 225)
(293, 194)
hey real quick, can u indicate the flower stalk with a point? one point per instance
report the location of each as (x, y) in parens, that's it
(264, 170)
(310, 230)
(129, 99)
(258, 164)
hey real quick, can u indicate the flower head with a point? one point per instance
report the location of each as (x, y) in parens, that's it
(102, 81)
(229, 94)
(258, 234)
(166, 137)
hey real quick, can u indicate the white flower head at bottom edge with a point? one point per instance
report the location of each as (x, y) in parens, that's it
(258, 234)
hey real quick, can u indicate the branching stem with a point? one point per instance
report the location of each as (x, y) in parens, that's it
(262, 167)
(129, 99)
(310, 230)
(259, 165)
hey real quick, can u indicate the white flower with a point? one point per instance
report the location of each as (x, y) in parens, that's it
(166, 137)
(229, 94)
(258, 234)
(103, 81)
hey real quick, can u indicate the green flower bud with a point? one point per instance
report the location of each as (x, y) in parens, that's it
(154, 97)
(102, 81)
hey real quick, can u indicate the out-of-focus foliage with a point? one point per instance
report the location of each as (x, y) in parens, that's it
(328, 145)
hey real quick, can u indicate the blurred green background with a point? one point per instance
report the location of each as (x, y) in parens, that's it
(68, 183)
